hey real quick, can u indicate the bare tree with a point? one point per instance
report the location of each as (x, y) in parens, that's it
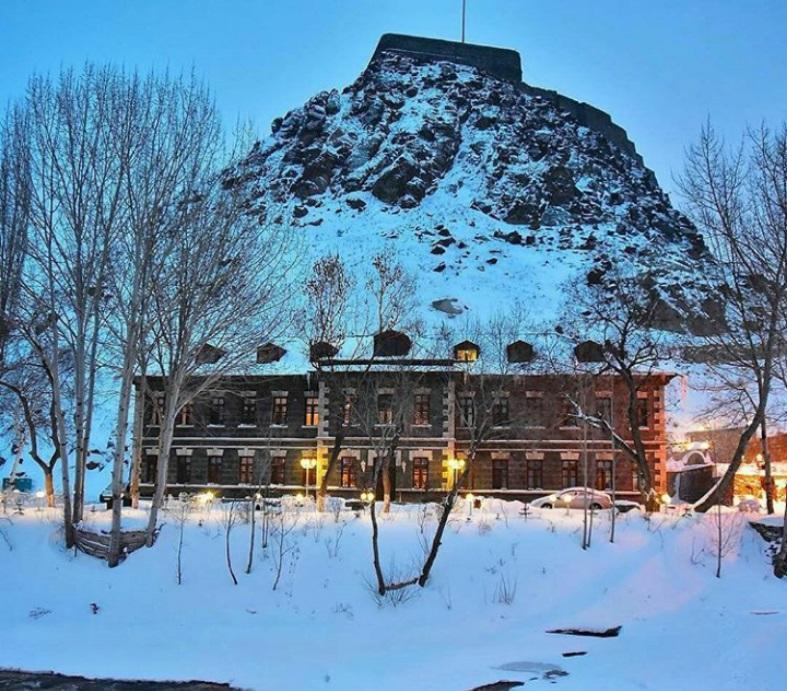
(28, 382)
(739, 200)
(14, 217)
(223, 292)
(74, 212)
(483, 409)
(170, 138)
(616, 326)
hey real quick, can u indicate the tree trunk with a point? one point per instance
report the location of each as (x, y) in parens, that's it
(716, 495)
(766, 457)
(164, 447)
(136, 448)
(333, 459)
(387, 486)
(121, 429)
(448, 506)
(49, 488)
(780, 560)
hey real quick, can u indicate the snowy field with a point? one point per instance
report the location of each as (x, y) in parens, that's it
(500, 582)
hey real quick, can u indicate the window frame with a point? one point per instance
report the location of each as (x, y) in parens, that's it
(419, 477)
(214, 464)
(311, 411)
(534, 468)
(279, 410)
(500, 473)
(422, 409)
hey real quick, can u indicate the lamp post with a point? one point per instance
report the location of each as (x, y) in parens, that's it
(456, 464)
(307, 464)
(367, 497)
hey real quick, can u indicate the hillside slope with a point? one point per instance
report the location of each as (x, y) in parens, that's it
(486, 190)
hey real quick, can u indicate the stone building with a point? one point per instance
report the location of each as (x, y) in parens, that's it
(254, 430)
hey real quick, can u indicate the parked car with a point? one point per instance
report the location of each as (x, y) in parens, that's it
(574, 498)
(106, 496)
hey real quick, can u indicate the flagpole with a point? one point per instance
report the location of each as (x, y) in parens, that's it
(464, 8)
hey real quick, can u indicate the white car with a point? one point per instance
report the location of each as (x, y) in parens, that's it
(574, 498)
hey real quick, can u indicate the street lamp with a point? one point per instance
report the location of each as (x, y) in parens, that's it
(307, 464)
(456, 464)
(470, 498)
(367, 497)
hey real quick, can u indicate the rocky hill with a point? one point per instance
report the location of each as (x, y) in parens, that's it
(488, 189)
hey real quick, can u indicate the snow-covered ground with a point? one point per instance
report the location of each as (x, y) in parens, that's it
(321, 629)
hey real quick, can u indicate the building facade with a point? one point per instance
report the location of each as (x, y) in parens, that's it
(255, 431)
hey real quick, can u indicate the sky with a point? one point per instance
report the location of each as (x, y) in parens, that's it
(659, 68)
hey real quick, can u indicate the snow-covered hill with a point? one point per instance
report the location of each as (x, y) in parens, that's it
(483, 188)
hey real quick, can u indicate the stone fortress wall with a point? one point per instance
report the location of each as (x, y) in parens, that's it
(506, 64)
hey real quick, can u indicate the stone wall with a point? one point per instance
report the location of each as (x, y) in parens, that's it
(506, 64)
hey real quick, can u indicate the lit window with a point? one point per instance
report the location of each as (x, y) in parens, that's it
(603, 475)
(420, 473)
(385, 409)
(246, 470)
(185, 417)
(312, 418)
(421, 409)
(348, 476)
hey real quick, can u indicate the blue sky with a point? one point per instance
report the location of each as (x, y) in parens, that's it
(659, 68)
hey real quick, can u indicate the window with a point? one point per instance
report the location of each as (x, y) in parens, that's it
(248, 414)
(385, 409)
(157, 409)
(184, 470)
(570, 476)
(216, 411)
(150, 469)
(535, 411)
(643, 412)
(467, 354)
(420, 473)
(347, 409)
(421, 409)
(499, 473)
(500, 416)
(312, 418)
(535, 474)
(277, 470)
(348, 476)
(603, 474)
(214, 470)
(634, 480)
(185, 417)
(604, 408)
(246, 470)
(466, 411)
(279, 412)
